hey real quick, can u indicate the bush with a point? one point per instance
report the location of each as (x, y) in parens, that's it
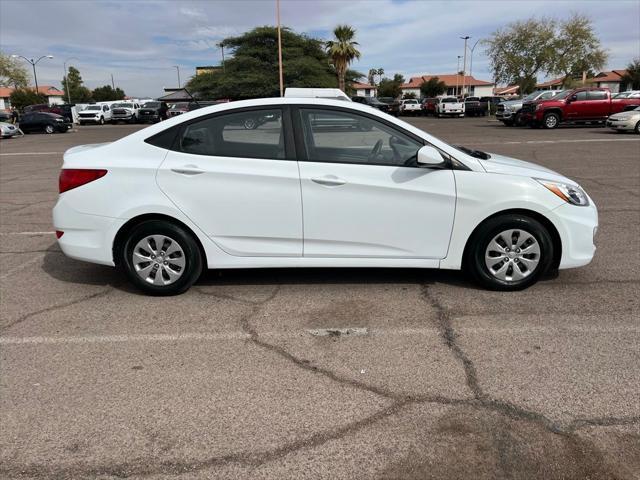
(21, 97)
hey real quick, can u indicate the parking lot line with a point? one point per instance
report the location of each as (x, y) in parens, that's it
(27, 233)
(29, 153)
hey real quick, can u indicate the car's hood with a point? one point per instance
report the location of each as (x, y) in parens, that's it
(625, 115)
(511, 103)
(512, 166)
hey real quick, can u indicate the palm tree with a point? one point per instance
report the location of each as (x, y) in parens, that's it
(342, 51)
(380, 73)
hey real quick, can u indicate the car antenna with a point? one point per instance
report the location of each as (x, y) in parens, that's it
(192, 97)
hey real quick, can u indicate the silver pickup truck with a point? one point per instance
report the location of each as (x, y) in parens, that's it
(509, 112)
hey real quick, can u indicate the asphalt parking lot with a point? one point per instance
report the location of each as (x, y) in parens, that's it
(421, 374)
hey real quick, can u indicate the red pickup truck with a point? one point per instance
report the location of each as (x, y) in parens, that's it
(578, 105)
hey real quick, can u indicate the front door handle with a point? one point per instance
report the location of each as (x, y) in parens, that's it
(329, 181)
(188, 170)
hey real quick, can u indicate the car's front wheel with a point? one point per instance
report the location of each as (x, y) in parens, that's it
(49, 129)
(509, 252)
(637, 129)
(551, 120)
(161, 258)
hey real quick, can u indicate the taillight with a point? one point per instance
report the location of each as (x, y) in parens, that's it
(76, 177)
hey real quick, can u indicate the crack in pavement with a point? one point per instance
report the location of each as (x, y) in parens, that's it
(146, 466)
(52, 308)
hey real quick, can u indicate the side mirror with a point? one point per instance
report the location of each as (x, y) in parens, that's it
(429, 157)
(573, 98)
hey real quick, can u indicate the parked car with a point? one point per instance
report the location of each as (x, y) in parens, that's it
(510, 112)
(8, 130)
(177, 109)
(474, 108)
(627, 94)
(410, 106)
(490, 103)
(428, 106)
(152, 112)
(203, 192)
(578, 105)
(5, 116)
(449, 106)
(125, 112)
(98, 114)
(394, 105)
(627, 121)
(64, 110)
(43, 122)
(373, 102)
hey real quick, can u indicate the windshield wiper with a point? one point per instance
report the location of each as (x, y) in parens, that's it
(474, 153)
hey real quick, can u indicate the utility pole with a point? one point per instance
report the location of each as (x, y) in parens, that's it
(221, 44)
(464, 63)
(279, 49)
(66, 81)
(458, 76)
(177, 67)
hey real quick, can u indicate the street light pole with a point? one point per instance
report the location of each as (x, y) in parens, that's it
(33, 64)
(222, 49)
(464, 63)
(66, 81)
(279, 48)
(471, 61)
(458, 75)
(177, 67)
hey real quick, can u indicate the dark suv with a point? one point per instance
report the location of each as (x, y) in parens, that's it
(394, 105)
(373, 102)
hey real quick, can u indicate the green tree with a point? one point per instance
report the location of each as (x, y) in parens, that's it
(12, 72)
(371, 77)
(342, 51)
(252, 72)
(632, 77)
(73, 87)
(433, 87)
(350, 77)
(390, 87)
(409, 95)
(21, 97)
(106, 93)
(525, 49)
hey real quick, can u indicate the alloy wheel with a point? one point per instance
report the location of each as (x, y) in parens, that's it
(158, 260)
(512, 255)
(551, 121)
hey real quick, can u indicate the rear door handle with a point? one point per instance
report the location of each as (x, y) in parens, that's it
(188, 170)
(329, 181)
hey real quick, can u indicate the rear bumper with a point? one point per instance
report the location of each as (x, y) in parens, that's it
(86, 237)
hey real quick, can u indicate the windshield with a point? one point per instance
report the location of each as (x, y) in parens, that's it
(450, 100)
(179, 105)
(563, 94)
(152, 105)
(94, 107)
(122, 105)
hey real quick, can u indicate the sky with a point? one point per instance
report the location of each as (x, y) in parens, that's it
(141, 41)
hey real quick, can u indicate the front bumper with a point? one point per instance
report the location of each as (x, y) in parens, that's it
(626, 125)
(504, 115)
(577, 227)
(89, 119)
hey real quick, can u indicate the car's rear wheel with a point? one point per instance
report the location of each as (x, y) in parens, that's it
(509, 252)
(551, 120)
(161, 258)
(49, 129)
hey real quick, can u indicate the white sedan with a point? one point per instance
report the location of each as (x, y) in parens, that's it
(312, 182)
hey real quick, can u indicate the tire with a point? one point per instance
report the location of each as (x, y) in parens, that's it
(517, 120)
(101, 122)
(49, 129)
(551, 120)
(179, 245)
(637, 129)
(502, 275)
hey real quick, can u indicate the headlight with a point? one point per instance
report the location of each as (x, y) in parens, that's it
(59, 119)
(569, 193)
